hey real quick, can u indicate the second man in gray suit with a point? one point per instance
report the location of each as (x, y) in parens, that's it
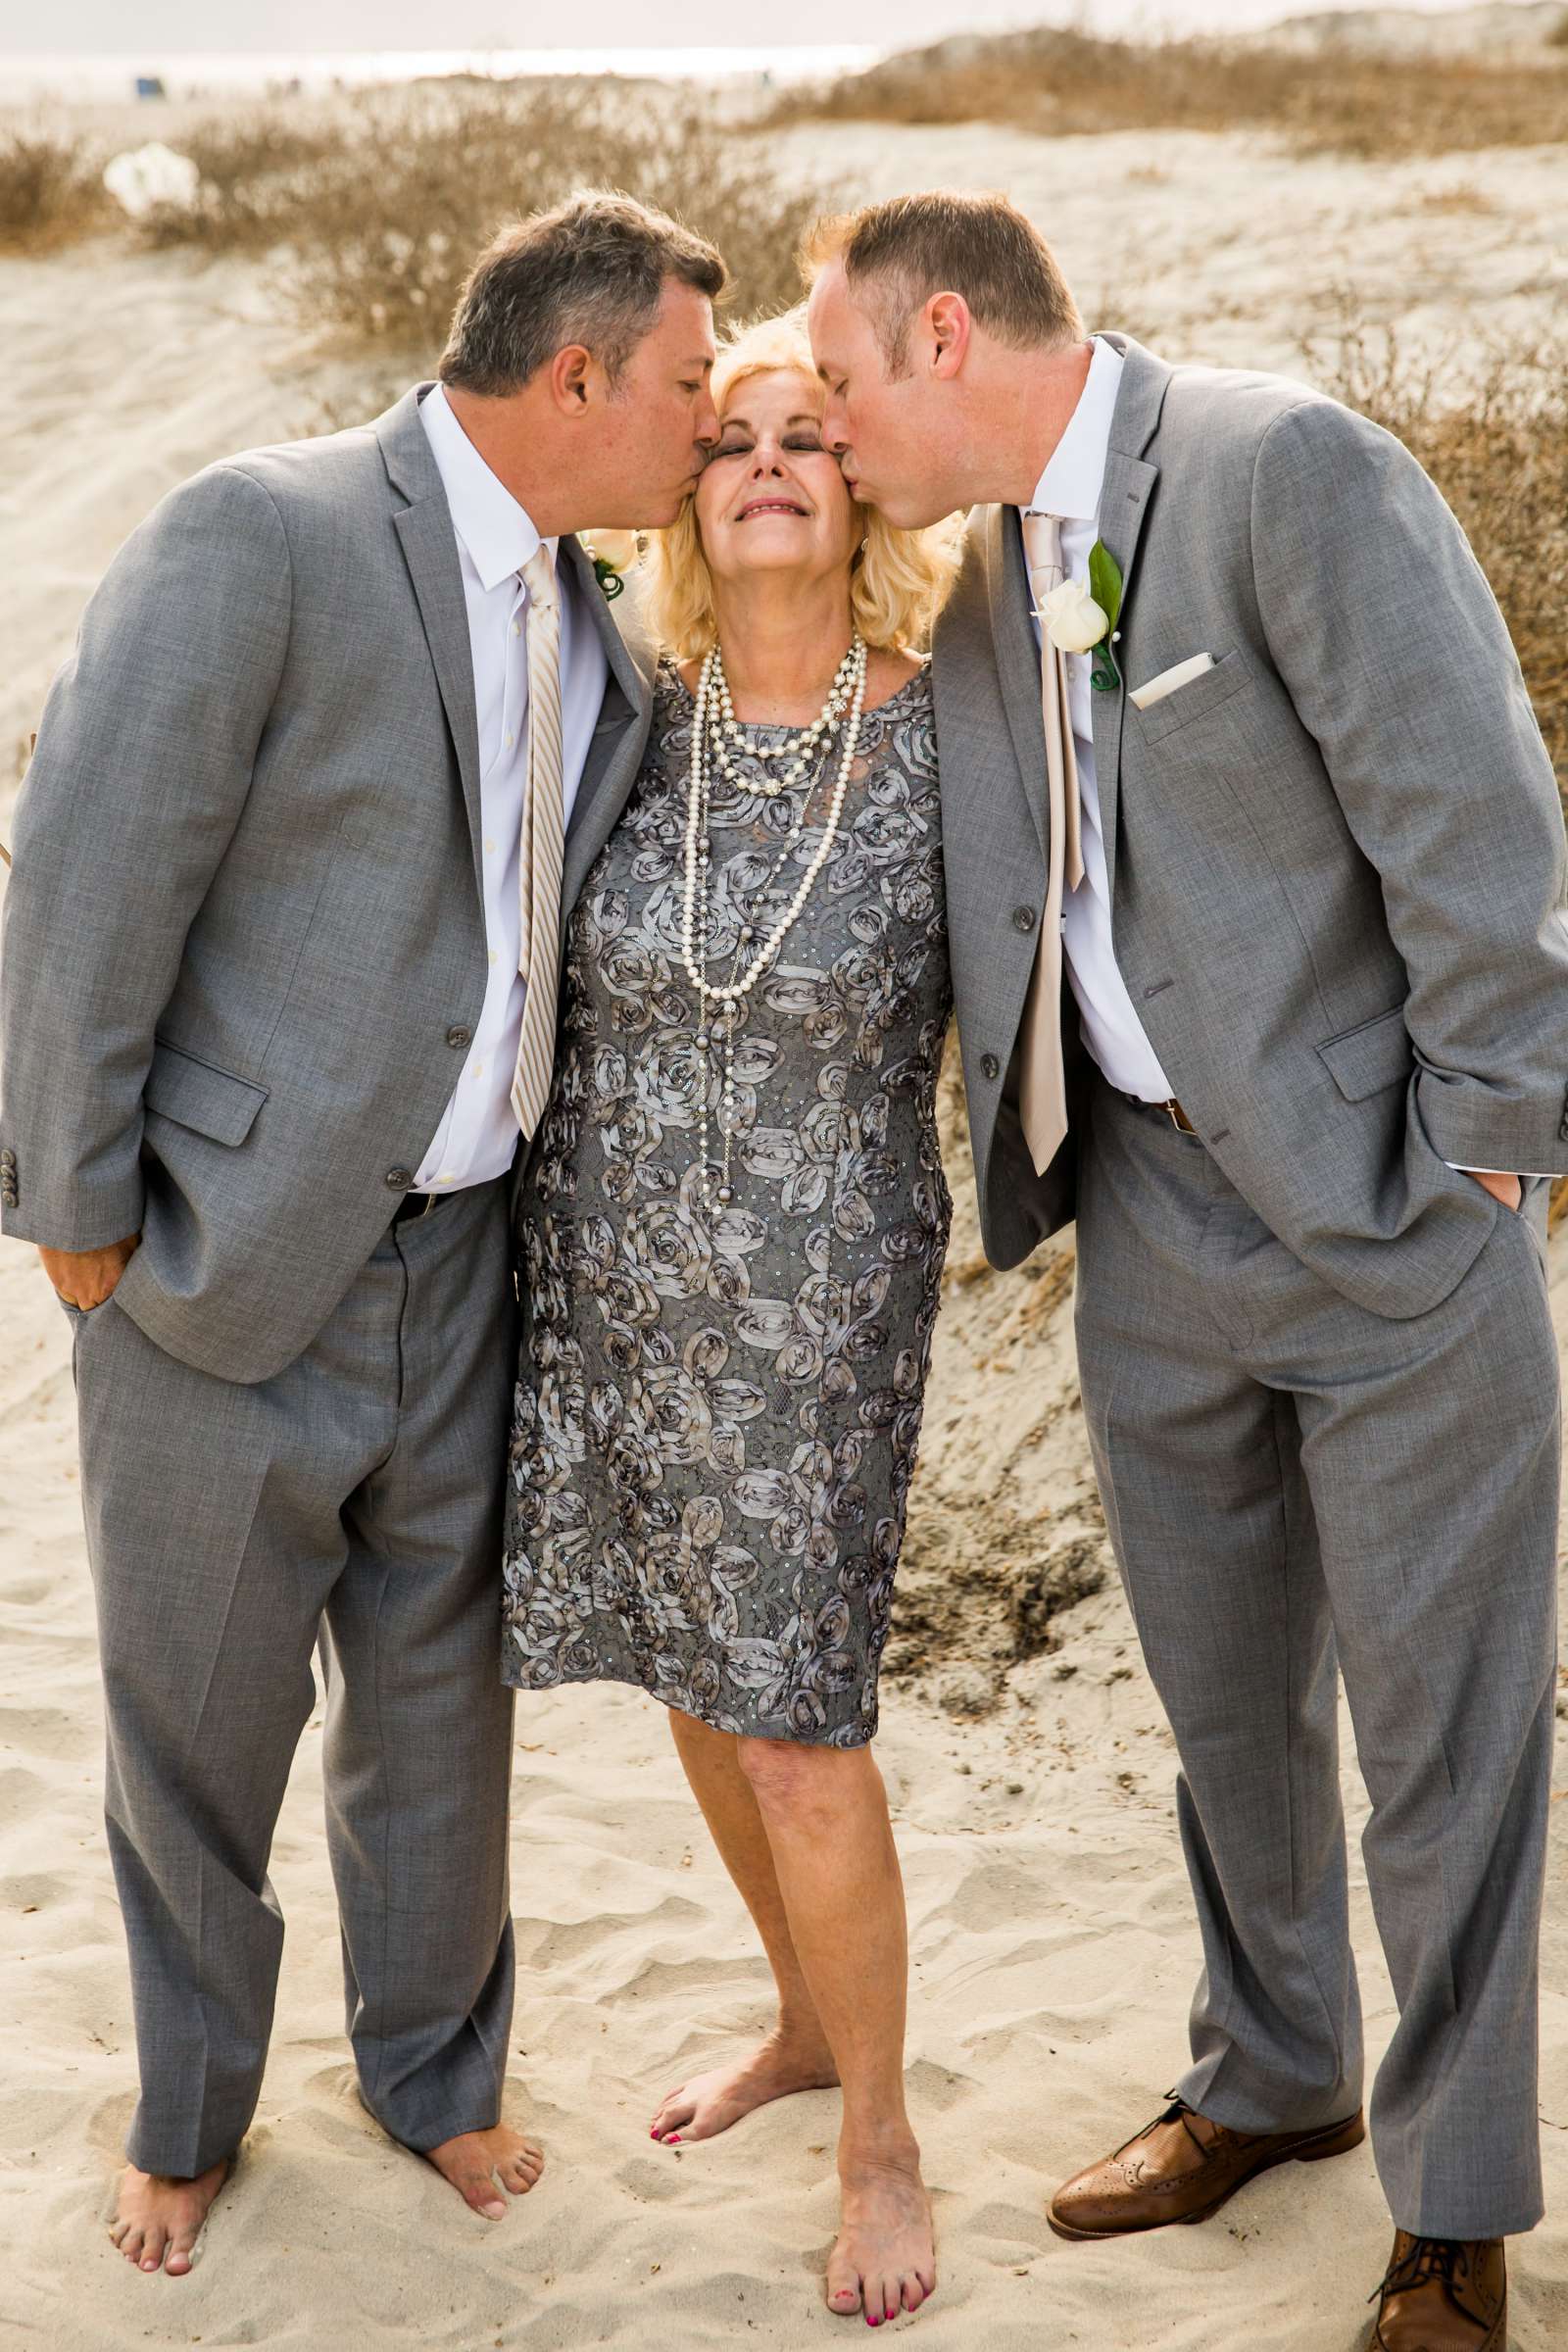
(1256, 906)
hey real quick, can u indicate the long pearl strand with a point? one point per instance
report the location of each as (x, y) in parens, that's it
(708, 719)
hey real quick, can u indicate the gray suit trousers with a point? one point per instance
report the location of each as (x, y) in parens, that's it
(1294, 1483)
(357, 1497)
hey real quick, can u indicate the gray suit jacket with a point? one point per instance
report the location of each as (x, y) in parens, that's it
(1336, 860)
(245, 908)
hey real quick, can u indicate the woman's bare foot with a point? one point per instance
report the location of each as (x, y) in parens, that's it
(710, 2103)
(479, 2164)
(884, 2258)
(159, 2219)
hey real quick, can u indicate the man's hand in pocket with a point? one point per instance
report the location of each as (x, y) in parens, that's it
(1507, 1189)
(85, 1277)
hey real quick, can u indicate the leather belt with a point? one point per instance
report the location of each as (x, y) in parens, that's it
(415, 1206)
(1171, 1109)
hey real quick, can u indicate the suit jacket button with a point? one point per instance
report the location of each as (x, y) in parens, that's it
(459, 1037)
(990, 1067)
(400, 1180)
(1024, 919)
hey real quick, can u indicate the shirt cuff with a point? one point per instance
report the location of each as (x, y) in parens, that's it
(1459, 1167)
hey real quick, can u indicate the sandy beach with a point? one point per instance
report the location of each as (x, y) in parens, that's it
(1028, 1762)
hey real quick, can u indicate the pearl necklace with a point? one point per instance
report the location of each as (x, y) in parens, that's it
(729, 995)
(800, 750)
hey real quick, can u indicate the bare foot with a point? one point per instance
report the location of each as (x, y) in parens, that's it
(712, 2103)
(157, 2219)
(884, 2258)
(478, 2164)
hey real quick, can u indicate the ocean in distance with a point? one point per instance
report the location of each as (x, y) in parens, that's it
(237, 73)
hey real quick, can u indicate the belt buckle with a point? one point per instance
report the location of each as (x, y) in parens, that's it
(1178, 1117)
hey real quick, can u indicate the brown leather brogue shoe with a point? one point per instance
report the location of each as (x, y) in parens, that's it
(1443, 2294)
(1182, 2168)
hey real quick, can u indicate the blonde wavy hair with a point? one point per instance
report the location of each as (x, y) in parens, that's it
(899, 580)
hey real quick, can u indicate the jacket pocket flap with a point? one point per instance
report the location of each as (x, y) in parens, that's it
(1364, 1061)
(194, 1094)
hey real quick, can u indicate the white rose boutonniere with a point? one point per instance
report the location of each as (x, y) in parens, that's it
(1071, 618)
(1080, 616)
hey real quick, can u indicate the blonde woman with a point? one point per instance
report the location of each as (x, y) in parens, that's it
(732, 1238)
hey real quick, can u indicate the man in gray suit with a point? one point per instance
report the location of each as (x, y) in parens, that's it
(281, 959)
(1289, 835)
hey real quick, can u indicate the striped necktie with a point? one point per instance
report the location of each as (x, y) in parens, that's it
(540, 857)
(1041, 1069)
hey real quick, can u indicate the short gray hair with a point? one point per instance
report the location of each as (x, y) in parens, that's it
(949, 240)
(591, 270)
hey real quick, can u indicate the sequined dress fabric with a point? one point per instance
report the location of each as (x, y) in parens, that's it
(717, 1409)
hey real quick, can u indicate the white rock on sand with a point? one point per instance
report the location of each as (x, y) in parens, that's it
(1054, 1950)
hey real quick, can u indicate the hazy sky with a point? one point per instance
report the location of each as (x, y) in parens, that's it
(148, 26)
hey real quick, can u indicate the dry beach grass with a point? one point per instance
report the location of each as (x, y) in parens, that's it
(50, 191)
(373, 208)
(1343, 102)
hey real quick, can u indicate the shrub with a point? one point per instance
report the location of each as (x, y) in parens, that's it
(261, 177)
(379, 213)
(1340, 100)
(49, 190)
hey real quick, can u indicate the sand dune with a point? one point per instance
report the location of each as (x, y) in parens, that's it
(1053, 1949)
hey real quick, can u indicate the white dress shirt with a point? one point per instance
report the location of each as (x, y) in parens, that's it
(1071, 488)
(477, 1137)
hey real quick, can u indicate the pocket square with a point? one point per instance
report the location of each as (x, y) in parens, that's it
(1168, 680)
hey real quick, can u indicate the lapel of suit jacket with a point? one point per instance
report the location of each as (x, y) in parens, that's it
(623, 661)
(1124, 502)
(616, 751)
(1018, 658)
(430, 545)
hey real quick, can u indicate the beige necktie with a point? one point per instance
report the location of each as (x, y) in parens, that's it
(1042, 1075)
(540, 856)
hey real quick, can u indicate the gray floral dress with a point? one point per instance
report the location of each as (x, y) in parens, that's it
(718, 1412)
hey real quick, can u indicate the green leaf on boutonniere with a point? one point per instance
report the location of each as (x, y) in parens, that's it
(1105, 581)
(609, 578)
(1105, 586)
